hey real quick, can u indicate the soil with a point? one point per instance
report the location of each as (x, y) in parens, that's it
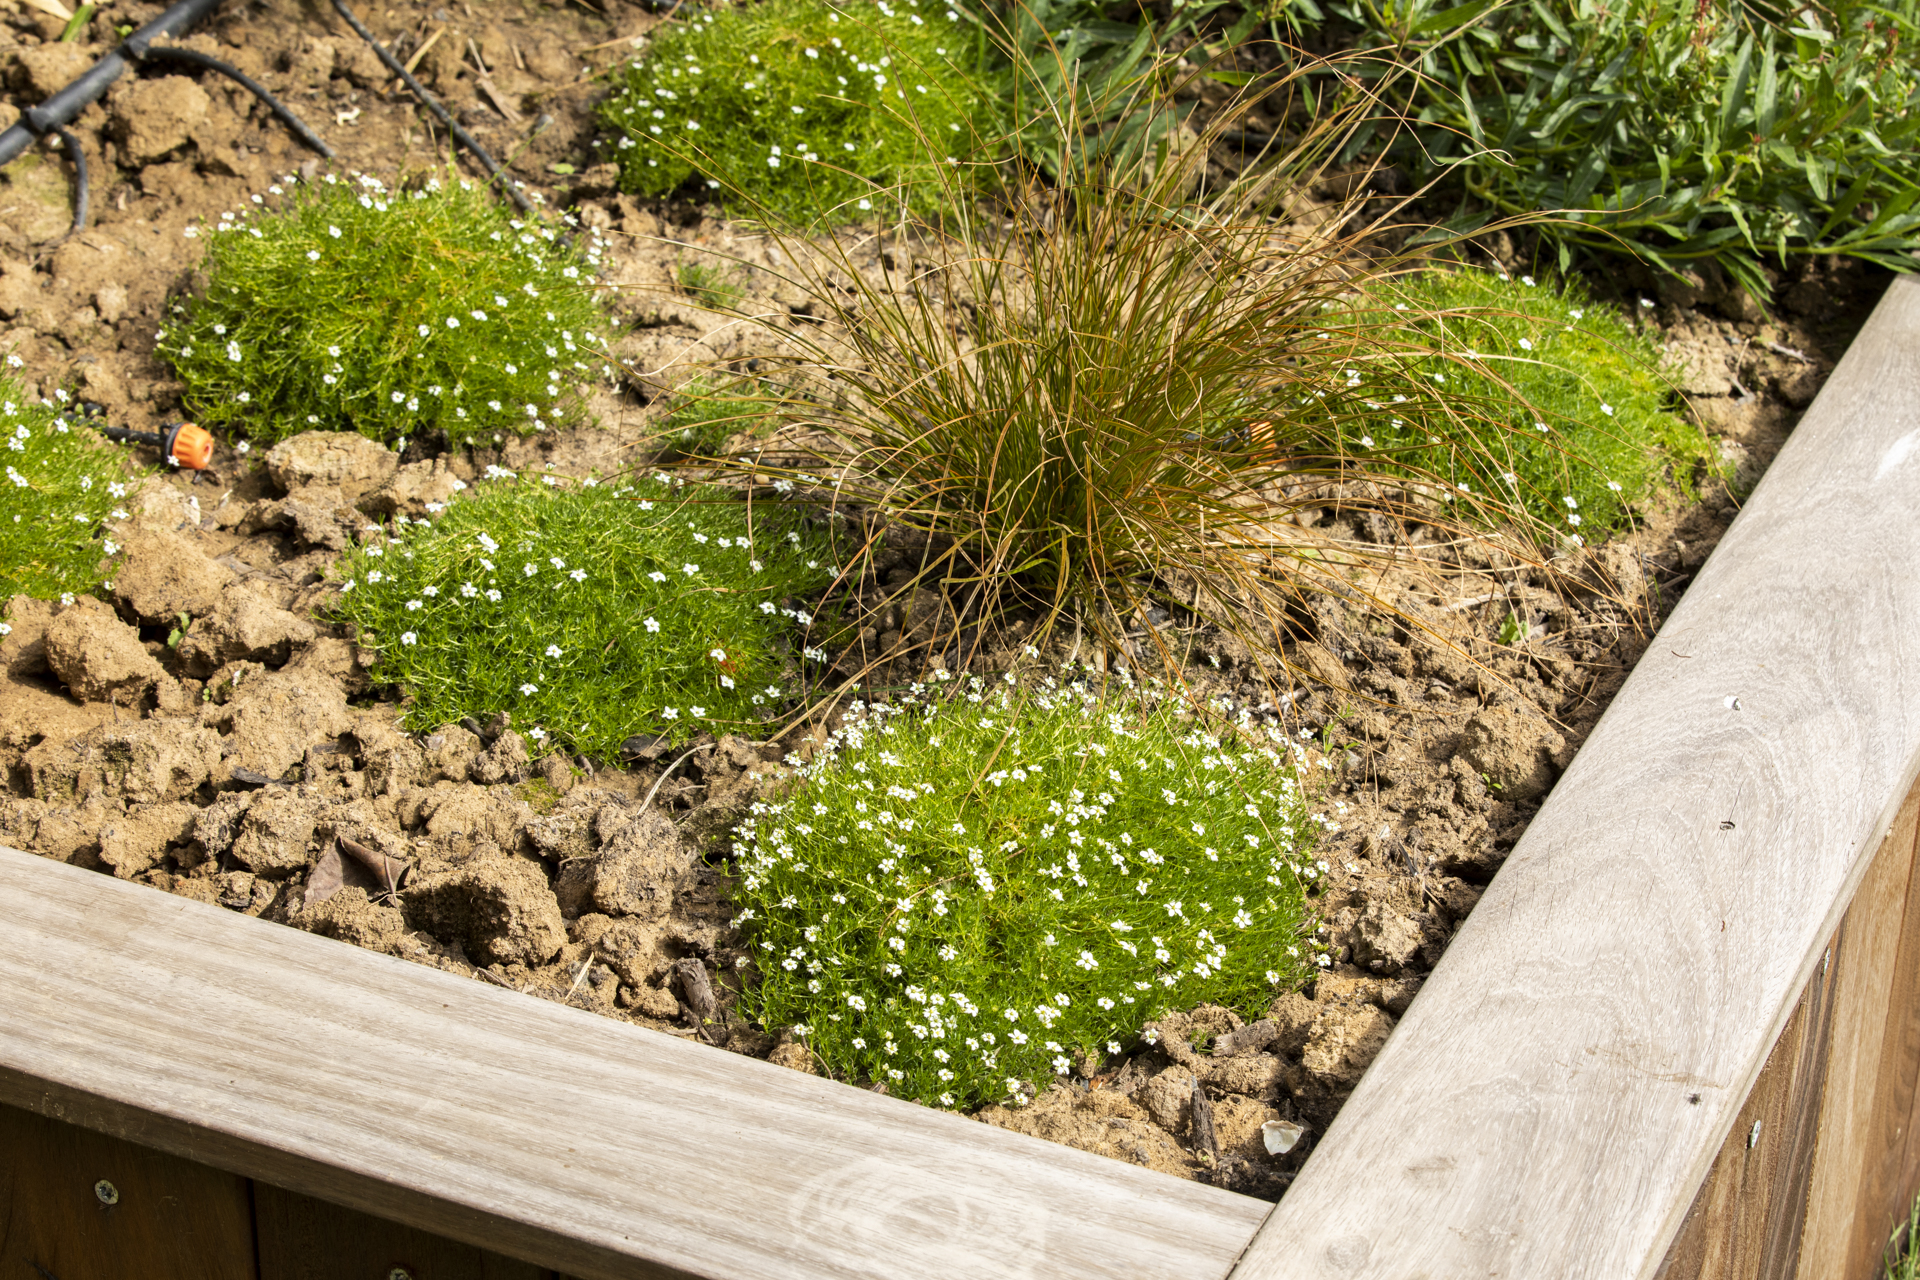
(253, 766)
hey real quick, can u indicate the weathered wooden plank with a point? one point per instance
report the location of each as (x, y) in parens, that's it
(1648, 937)
(169, 1219)
(306, 1239)
(531, 1129)
(1867, 954)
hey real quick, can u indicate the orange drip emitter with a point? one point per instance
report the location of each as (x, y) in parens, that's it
(184, 443)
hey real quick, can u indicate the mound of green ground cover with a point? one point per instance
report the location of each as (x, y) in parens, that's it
(350, 307)
(970, 890)
(589, 613)
(1567, 405)
(804, 108)
(61, 484)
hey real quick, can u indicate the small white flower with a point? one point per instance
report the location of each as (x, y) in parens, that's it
(407, 637)
(553, 651)
(333, 231)
(528, 690)
(652, 625)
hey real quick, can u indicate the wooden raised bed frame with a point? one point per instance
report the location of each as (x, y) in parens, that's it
(1679, 1037)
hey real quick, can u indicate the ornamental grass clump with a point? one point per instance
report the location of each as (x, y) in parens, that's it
(62, 484)
(347, 306)
(804, 109)
(1140, 390)
(587, 612)
(974, 887)
(1589, 432)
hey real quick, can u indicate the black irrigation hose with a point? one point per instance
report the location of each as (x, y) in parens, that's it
(71, 145)
(62, 107)
(193, 57)
(432, 104)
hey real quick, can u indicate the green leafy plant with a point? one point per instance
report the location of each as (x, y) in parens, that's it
(803, 109)
(968, 892)
(352, 307)
(1061, 61)
(706, 413)
(1678, 132)
(711, 287)
(1587, 432)
(1902, 1259)
(61, 485)
(590, 612)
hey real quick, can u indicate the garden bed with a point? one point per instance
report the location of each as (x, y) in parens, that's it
(1478, 1139)
(1412, 733)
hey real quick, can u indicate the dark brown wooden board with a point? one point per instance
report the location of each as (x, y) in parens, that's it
(306, 1239)
(1847, 1219)
(171, 1219)
(1887, 1175)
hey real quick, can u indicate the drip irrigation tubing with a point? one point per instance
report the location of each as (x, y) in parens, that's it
(62, 107)
(50, 118)
(71, 145)
(432, 104)
(194, 58)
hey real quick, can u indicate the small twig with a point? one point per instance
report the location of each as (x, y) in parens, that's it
(579, 978)
(1458, 605)
(669, 770)
(1781, 349)
(421, 52)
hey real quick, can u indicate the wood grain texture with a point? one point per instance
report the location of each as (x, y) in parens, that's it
(1649, 935)
(171, 1219)
(306, 1239)
(540, 1132)
(1844, 1231)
